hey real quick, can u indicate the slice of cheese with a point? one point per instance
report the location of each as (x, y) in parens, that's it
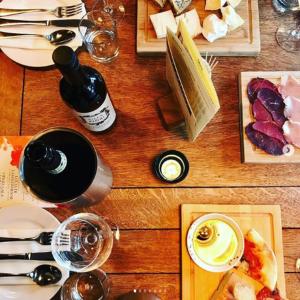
(214, 4)
(234, 3)
(180, 5)
(231, 18)
(214, 28)
(192, 22)
(161, 21)
(161, 3)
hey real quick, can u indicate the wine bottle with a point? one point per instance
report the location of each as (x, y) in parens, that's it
(84, 90)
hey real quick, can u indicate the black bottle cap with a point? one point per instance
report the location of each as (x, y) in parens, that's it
(64, 58)
(171, 166)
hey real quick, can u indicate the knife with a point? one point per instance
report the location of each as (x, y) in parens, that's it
(29, 256)
(58, 23)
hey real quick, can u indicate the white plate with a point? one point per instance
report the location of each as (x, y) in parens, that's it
(27, 217)
(196, 258)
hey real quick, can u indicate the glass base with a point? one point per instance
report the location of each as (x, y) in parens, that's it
(105, 60)
(288, 37)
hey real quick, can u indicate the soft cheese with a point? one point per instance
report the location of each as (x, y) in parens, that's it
(214, 4)
(214, 28)
(231, 18)
(161, 21)
(192, 22)
(234, 3)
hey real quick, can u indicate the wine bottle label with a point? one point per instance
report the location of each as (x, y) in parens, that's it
(62, 165)
(100, 119)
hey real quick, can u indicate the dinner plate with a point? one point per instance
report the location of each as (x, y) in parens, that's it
(27, 217)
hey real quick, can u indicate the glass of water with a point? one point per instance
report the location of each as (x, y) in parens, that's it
(93, 285)
(100, 36)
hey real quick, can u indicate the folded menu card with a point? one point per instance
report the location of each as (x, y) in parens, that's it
(36, 42)
(188, 75)
(11, 188)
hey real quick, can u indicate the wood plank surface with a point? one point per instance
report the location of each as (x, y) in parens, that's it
(160, 208)
(245, 41)
(135, 84)
(11, 86)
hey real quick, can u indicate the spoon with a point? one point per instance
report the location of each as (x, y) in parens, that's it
(57, 37)
(41, 275)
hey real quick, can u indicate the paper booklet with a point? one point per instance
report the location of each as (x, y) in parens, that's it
(189, 77)
(11, 188)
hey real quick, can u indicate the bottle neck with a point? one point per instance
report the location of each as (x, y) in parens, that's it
(47, 158)
(75, 76)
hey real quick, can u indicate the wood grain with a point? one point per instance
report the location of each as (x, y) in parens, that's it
(160, 208)
(135, 84)
(11, 85)
(244, 41)
(252, 154)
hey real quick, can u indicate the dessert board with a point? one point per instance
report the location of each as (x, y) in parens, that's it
(250, 153)
(266, 219)
(244, 41)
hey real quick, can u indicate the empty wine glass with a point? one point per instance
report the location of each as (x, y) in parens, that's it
(113, 7)
(288, 36)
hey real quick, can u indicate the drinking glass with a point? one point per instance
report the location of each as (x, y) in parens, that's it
(285, 6)
(83, 242)
(93, 285)
(288, 36)
(100, 37)
(113, 7)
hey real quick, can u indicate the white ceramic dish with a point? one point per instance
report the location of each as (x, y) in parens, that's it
(26, 217)
(196, 258)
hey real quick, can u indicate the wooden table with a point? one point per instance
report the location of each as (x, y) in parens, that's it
(147, 210)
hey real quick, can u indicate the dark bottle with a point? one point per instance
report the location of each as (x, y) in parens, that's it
(84, 90)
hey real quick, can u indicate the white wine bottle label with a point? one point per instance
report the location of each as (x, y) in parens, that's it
(62, 165)
(100, 119)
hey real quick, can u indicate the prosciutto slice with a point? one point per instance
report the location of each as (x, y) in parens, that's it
(268, 144)
(270, 129)
(291, 131)
(259, 112)
(289, 86)
(292, 108)
(256, 84)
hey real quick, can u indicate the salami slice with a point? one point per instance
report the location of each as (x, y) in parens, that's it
(256, 84)
(259, 112)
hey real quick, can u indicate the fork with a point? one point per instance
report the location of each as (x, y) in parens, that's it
(60, 11)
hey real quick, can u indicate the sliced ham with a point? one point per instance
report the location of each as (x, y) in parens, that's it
(270, 129)
(292, 108)
(268, 144)
(273, 102)
(291, 131)
(289, 86)
(256, 84)
(259, 112)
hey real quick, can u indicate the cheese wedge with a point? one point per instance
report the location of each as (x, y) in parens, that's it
(192, 22)
(180, 5)
(231, 18)
(161, 21)
(214, 28)
(234, 3)
(214, 4)
(161, 3)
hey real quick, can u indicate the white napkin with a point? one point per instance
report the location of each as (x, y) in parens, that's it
(23, 266)
(37, 43)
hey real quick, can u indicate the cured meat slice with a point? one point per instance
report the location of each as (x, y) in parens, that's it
(289, 86)
(256, 84)
(273, 102)
(292, 108)
(259, 112)
(270, 129)
(264, 142)
(291, 131)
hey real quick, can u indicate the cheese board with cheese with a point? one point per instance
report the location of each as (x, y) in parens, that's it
(222, 30)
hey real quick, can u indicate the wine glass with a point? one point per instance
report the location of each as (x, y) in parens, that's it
(288, 36)
(285, 6)
(113, 7)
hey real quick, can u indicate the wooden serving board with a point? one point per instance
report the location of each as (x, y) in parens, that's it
(266, 219)
(244, 41)
(250, 153)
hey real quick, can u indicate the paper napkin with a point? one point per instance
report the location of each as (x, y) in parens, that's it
(36, 42)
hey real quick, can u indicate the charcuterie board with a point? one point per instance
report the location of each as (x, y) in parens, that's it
(244, 41)
(250, 153)
(266, 219)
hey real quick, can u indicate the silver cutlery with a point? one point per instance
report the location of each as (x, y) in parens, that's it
(60, 12)
(41, 275)
(28, 256)
(57, 37)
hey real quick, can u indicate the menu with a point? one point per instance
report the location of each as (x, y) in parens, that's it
(189, 77)
(11, 188)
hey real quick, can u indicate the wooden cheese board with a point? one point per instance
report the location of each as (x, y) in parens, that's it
(266, 219)
(250, 153)
(244, 41)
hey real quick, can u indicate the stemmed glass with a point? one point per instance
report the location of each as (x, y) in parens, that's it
(285, 6)
(113, 7)
(288, 36)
